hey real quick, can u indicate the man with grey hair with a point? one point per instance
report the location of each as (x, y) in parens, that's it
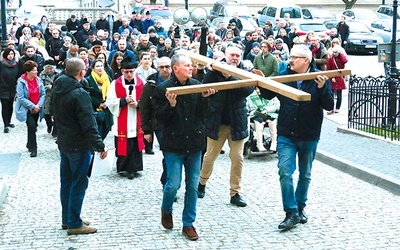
(182, 142)
(299, 128)
(77, 136)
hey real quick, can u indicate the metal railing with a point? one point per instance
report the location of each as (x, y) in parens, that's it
(374, 104)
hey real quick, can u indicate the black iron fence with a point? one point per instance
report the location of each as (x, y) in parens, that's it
(374, 106)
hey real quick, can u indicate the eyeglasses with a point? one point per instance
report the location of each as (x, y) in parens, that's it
(295, 57)
(164, 67)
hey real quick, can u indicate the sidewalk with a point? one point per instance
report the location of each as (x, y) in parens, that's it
(344, 212)
(359, 154)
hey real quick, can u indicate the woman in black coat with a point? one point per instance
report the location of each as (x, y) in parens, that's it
(8, 83)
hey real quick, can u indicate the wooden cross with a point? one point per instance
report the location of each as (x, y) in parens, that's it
(250, 79)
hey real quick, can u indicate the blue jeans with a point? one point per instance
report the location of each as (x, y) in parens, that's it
(287, 150)
(74, 182)
(174, 163)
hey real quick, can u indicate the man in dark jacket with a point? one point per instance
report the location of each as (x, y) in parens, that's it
(54, 44)
(30, 54)
(147, 106)
(343, 30)
(77, 137)
(227, 120)
(299, 128)
(102, 23)
(182, 118)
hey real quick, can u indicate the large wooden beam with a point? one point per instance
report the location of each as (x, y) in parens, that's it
(270, 83)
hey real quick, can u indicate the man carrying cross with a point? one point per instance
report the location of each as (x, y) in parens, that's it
(299, 128)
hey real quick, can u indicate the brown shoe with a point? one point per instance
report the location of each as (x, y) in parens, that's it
(85, 222)
(190, 233)
(166, 220)
(82, 230)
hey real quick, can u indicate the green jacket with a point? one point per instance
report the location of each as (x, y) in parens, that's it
(268, 65)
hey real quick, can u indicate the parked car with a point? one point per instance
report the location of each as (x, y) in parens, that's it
(386, 11)
(365, 16)
(310, 25)
(317, 13)
(33, 13)
(247, 25)
(362, 39)
(275, 12)
(228, 8)
(158, 13)
(383, 28)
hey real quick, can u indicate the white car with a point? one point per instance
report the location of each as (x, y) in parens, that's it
(33, 13)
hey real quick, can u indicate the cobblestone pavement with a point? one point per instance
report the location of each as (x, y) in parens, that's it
(344, 212)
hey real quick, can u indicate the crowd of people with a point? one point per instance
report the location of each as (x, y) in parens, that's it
(124, 65)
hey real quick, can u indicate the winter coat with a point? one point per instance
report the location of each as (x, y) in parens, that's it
(302, 120)
(335, 63)
(268, 65)
(183, 125)
(23, 104)
(227, 106)
(76, 126)
(8, 79)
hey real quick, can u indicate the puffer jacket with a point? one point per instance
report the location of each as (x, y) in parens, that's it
(183, 125)
(236, 112)
(76, 126)
(302, 120)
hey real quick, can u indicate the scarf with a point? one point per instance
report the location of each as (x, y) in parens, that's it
(33, 89)
(9, 63)
(314, 51)
(103, 81)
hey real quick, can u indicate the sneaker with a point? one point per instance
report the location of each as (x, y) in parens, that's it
(85, 222)
(166, 220)
(337, 111)
(238, 201)
(201, 191)
(82, 230)
(190, 233)
(289, 222)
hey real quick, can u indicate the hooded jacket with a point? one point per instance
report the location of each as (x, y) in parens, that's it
(76, 125)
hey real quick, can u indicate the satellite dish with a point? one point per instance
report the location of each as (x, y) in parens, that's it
(181, 16)
(199, 15)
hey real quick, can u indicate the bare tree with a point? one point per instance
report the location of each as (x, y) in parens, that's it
(349, 3)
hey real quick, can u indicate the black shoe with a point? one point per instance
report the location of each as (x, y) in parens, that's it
(201, 191)
(49, 129)
(6, 130)
(131, 176)
(149, 152)
(123, 174)
(11, 125)
(238, 201)
(303, 216)
(176, 199)
(289, 222)
(33, 153)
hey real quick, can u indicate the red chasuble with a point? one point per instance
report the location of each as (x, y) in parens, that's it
(123, 117)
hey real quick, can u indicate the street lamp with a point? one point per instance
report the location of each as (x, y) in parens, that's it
(3, 25)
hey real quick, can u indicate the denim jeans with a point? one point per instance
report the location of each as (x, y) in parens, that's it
(174, 163)
(287, 150)
(74, 182)
(338, 99)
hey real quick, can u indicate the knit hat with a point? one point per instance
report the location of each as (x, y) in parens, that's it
(64, 28)
(237, 39)
(255, 44)
(279, 40)
(49, 62)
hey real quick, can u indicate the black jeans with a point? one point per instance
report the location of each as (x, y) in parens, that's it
(32, 123)
(7, 110)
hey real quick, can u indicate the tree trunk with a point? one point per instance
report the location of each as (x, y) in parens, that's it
(349, 3)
